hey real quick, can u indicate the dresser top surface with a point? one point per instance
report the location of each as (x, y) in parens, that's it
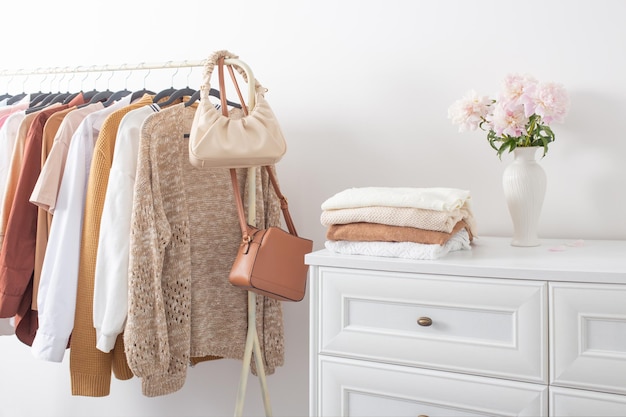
(554, 260)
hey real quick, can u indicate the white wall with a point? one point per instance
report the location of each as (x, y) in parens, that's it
(362, 90)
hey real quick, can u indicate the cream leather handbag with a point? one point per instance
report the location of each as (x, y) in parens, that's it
(223, 139)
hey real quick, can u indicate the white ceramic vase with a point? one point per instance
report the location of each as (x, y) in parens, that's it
(524, 182)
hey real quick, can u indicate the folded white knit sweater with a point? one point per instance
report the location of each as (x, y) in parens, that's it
(406, 250)
(435, 198)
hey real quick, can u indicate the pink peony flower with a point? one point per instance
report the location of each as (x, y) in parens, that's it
(551, 102)
(515, 87)
(469, 111)
(518, 117)
(508, 119)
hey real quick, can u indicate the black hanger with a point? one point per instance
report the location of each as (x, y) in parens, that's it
(99, 96)
(37, 98)
(212, 92)
(88, 95)
(60, 98)
(71, 97)
(47, 99)
(40, 104)
(180, 93)
(194, 97)
(216, 93)
(53, 98)
(139, 93)
(162, 94)
(16, 98)
(116, 96)
(3, 96)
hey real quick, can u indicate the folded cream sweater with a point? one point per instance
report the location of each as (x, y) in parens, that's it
(435, 198)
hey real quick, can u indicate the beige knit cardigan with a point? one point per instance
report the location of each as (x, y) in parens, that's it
(184, 238)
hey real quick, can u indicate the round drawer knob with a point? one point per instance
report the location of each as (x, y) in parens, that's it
(424, 321)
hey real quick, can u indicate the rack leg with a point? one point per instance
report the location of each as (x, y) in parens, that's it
(260, 368)
(252, 343)
(252, 338)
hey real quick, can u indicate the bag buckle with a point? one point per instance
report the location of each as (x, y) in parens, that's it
(246, 242)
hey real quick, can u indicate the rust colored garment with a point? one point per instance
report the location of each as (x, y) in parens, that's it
(17, 256)
(376, 232)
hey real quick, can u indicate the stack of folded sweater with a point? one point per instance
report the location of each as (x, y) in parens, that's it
(412, 223)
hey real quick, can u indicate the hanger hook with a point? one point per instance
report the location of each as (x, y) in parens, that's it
(124, 66)
(109, 79)
(145, 76)
(54, 77)
(71, 78)
(24, 82)
(174, 74)
(63, 74)
(189, 73)
(95, 82)
(43, 80)
(86, 74)
(9, 81)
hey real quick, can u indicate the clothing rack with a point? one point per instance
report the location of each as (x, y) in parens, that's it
(252, 340)
(101, 68)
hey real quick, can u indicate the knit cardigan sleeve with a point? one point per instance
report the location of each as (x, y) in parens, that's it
(145, 336)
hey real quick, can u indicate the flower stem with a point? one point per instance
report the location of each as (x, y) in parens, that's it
(530, 131)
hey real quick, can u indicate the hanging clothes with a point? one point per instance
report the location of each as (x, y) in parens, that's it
(87, 195)
(59, 273)
(18, 250)
(14, 168)
(54, 152)
(184, 238)
(90, 368)
(110, 299)
(8, 136)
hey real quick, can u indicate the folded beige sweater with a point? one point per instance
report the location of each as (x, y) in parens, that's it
(441, 221)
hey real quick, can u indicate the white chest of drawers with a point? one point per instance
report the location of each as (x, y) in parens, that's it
(495, 331)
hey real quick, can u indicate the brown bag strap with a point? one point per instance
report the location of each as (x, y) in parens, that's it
(284, 205)
(222, 83)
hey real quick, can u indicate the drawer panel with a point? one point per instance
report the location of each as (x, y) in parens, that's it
(480, 326)
(588, 336)
(357, 388)
(567, 402)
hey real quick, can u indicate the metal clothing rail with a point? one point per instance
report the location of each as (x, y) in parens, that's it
(101, 68)
(252, 346)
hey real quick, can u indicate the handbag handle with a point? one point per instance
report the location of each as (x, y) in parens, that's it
(246, 72)
(284, 205)
(222, 82)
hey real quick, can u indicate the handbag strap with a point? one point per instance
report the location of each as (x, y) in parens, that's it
(222, 83)
(284, 205)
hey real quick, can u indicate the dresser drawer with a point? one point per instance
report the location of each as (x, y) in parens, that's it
(489, 327)
(566, 402)
(588, 336)
(357, 388)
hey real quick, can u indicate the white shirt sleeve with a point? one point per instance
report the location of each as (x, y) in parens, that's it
(56, 298)
(110, 301)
